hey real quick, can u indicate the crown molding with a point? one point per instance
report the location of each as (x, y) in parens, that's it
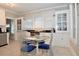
(45, 9)
(12, 12)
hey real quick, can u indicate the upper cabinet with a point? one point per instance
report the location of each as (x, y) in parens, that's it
(2, 16)
(27, 24)
(38, 23)
(48, 24)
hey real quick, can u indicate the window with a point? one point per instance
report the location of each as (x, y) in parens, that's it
(61, 21)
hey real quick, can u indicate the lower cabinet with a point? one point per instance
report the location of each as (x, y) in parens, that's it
(4, 39)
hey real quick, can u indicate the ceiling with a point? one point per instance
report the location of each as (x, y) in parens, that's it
(25, 7)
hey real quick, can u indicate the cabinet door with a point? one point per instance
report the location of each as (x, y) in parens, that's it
(27, 24)
(39, 23)
(48, 24)
(3, 38)
(2, 17)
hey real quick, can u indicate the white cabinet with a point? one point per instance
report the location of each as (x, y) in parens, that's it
(4, 38)
(35, 23)
(27, 24)
(2, 17)
(38, 23)
(48, 24)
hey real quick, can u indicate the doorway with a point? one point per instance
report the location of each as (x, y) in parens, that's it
(10, 28)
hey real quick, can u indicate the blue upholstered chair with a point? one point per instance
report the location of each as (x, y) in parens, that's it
(28, 48)
(43, 47)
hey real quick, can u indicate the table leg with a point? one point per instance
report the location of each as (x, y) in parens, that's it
(37, 49)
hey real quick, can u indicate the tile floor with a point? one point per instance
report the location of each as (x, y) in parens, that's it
(13, 49)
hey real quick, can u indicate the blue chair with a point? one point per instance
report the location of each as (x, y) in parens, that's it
(43, 46)
(28, 48)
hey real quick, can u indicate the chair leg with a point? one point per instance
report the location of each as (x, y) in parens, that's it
(45, 52)
(41, 51)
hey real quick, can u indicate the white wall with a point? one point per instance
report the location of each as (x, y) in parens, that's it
(2, 19)
(73, 22)
(2, 16)
(77, 25)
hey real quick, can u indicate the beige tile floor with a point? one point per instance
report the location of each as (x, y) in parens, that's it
(62, 51)
(13, 49)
